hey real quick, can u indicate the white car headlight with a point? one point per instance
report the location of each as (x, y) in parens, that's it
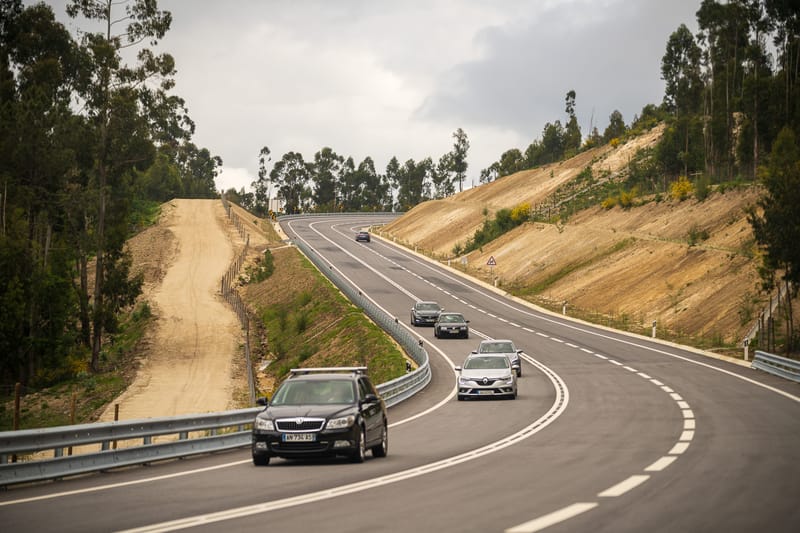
(265, 424)
(341, 423)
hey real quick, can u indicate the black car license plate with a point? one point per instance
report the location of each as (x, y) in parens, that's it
(299, 437)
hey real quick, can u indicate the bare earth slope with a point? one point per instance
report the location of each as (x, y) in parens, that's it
(190, 354)
(640, 264)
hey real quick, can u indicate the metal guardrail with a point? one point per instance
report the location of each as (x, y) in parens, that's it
(777, 365)
(184, 435)
(217, 432)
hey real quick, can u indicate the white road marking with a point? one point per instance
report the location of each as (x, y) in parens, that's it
(679, 448)
(661, 464)
(553, 518)
(621, 488)
(558, 407)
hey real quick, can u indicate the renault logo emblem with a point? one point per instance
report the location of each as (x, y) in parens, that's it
(485, 381)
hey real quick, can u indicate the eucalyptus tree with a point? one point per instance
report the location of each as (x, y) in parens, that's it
(375, 193)
(616, 126)
(122, 103)
(777, 227)
(572, 133)
(38, 147)
(291, 176)
(442, 177)
(325, 174)
(458, 157)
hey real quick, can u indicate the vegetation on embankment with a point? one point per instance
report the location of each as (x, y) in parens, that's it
(306, 321)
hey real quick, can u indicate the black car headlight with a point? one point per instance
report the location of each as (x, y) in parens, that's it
(341, 423)
(264, 424)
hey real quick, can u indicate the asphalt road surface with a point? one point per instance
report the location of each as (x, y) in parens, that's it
(609, 433)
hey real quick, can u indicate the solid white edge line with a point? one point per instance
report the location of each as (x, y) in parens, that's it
(538, 524)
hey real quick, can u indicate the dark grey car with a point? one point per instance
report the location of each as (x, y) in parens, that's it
(425, 313)
(451, 325)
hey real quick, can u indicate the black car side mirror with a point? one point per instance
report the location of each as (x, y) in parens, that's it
(263, 401)
(370, 398)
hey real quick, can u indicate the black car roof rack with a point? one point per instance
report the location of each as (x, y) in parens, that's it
(327, 370)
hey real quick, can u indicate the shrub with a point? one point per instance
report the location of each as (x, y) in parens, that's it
(609, 202)
(521, 213)
(681, 189)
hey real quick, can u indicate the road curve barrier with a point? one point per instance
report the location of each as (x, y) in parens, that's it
(777, 365)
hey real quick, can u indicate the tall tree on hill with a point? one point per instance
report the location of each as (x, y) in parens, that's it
(39, 140)
(572, 132)
(681, 72)
(616, 126)
(458, 157)
(325, 171)
(778, 229)
(261, 186)
(112, 93)
(290, 176)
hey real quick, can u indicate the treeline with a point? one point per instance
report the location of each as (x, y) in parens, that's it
(729, 92)
(332, 182)
(86, 140)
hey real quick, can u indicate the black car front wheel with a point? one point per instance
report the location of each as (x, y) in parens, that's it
(260, 460)
(361, 449)
(383, 448)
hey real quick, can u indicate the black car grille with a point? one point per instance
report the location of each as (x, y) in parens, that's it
(294, 424)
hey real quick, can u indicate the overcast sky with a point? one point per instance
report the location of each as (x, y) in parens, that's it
(397, 78)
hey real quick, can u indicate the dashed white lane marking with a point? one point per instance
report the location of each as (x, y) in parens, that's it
(633, 481)
(551, 519)
(621, 488)
(679, 448)
(661, 464)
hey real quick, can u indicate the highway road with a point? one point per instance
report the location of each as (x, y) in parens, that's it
(610, 433)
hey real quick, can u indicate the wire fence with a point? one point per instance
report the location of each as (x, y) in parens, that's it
(228, 291)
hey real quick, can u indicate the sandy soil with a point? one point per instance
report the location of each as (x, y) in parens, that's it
(639, 264)
(190, 361)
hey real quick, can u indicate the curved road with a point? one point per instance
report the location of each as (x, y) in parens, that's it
(610, 433)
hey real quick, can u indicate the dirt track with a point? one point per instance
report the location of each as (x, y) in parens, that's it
(189, 366)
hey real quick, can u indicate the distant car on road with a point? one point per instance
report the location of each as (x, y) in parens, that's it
(321, 412)
(487, 375)
(425, 313)
(502, 346)
(362, 236)
(451, 325)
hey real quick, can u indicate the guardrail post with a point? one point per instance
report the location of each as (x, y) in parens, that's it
(654, 329)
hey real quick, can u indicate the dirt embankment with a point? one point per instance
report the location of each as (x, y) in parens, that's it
(688, 265)
(191, 363)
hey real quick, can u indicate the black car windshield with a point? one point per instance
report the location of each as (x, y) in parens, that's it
(428, 307)
(451, 318)
(304, 392)
(496, 347)
(486, 363)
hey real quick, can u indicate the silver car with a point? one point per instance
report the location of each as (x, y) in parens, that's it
(502, 346)
(425, 313)
(486, 375)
